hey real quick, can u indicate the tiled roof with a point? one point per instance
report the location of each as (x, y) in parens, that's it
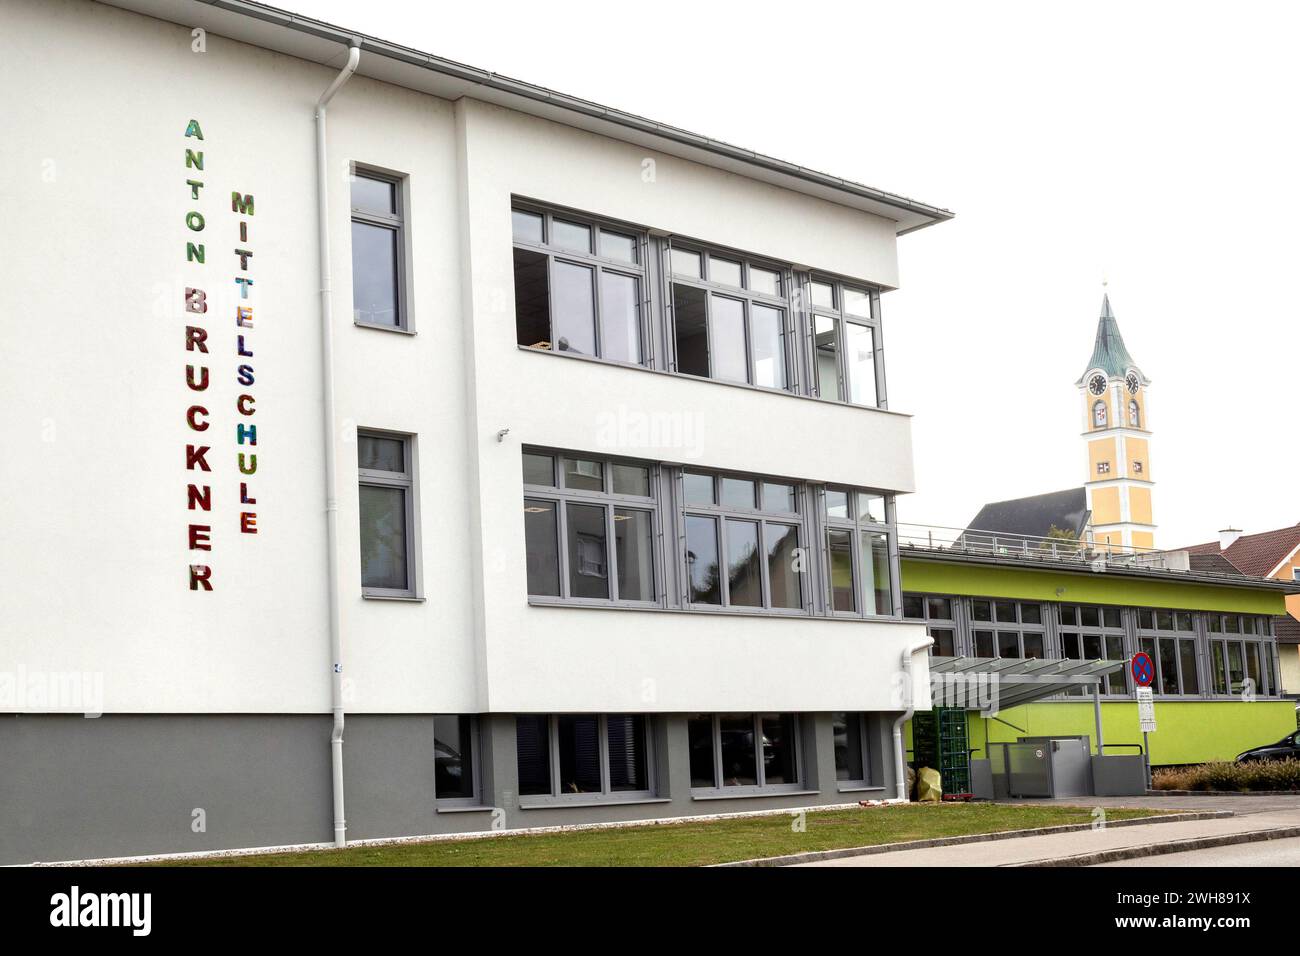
(1212, 562)
(1287, 630)
(1036, 515)
(1256, 554)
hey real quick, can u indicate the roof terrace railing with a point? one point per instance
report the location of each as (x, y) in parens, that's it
(1063, 548)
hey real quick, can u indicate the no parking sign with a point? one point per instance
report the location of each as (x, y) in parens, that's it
(1144, 672)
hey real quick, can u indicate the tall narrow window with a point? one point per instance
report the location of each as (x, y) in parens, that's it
(859, 566)
(852, 748)
(1134, 415)
(589, 528)
(455, 764)
(579, 286)
(387, 514)
(729, 318)
(1099, 414)
(846, 343)
(378, 268)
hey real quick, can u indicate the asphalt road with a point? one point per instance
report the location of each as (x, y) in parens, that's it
(1270, 853)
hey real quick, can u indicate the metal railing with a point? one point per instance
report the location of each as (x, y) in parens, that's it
(1085, 551)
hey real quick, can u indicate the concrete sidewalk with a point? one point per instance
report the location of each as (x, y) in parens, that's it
(1270, 814)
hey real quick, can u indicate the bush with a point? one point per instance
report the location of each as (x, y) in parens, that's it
(1261, 776)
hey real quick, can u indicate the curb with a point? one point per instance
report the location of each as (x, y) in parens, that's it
(814, 856)
(1223, 793)
(1160, 849)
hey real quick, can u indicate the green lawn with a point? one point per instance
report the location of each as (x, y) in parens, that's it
(696, 843)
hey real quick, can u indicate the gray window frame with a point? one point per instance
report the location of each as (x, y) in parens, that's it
(1261, 636)
(748, 298)
(396, 222)
(1156, 634)
(933, 623)
(868, 779)
(859, 527)
(598, 265)
(1061, 631)
(762, 788)
(406, 481)
(476, 755)
(842, 320)
(720, 513)
(1020, 627)
(606, 795)
(610, 501)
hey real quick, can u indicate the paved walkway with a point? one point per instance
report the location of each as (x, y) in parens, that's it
(1272, 853)
(1251, 813)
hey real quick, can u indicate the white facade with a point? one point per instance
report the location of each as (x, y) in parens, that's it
(93, 324)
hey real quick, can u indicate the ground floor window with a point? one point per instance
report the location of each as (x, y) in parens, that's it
(852, 748)
(739, 752)
(455, 758)
(583, 756)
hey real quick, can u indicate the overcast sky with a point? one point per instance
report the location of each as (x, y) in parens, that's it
(1152, 145)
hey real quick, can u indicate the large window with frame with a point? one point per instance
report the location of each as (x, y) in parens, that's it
(939, 613)
(845, 342)
(387, 514)
(742, 542)
(1169, 638)
(378, 251)
(580, 285)
(589, 528)
(737, 753)
(858, 568)
(584, 757)
(455, 759)
(1241, 655)
(730, 317)
(1091, 633)
(1004, 628)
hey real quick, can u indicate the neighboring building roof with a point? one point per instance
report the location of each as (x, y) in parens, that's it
(1287, 629)
(1036, 515)
(1255, 554)
(324, 43)
(1215, 563)
(1109, 353)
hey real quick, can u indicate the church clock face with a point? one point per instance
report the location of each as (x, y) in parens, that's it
(1132, 382)
(1097, 384)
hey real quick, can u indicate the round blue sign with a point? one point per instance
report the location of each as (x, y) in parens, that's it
(1144, 670)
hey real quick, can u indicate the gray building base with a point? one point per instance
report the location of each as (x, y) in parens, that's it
(130, 785)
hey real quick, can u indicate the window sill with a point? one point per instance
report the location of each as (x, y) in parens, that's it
(409, 598)
(383, 328)
(565, 804)
(477, 808)
(759, 795)
(724, 612)
(700, 378)
(861, 789)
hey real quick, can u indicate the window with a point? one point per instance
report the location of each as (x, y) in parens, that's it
(1099, 414)
(1137, 467)
(1134, 414)
(742, 542)
(741, 753)
(584, 757)
(1241, 655)
(852, 748)
(858, 566)
(1103, 468)
(589, 528)
(378, 251)
(1169, 637)
(455, 760)
(579, 286)
(730, 318)
(1089, 633)
(845, 343)
(387, 510)
(937, 612)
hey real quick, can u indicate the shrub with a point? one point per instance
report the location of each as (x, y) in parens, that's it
(1261, 776)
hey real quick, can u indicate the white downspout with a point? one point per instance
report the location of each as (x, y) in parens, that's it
(331, 479)
(900, 758)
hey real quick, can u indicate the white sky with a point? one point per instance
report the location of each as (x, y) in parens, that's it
(1153, 145)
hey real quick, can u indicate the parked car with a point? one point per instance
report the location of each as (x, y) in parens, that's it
(1287, 747)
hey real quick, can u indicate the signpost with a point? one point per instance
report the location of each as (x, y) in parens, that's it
(1144, 672)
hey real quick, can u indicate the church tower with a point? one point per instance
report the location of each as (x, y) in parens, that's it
(1113, 393)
